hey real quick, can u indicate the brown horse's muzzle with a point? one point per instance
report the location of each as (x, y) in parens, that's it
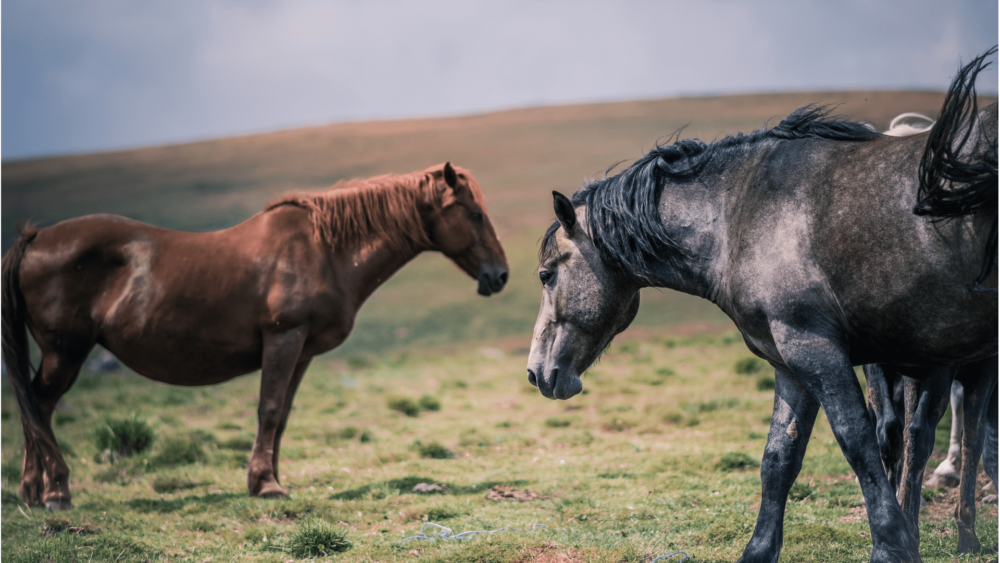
(491, 279)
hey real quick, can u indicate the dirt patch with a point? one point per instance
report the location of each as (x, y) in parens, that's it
(858, 514)
(499, 493)
(550, 552)
(942, 506)
(55, 526)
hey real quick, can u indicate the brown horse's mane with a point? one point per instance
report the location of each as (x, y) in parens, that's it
(357, 212)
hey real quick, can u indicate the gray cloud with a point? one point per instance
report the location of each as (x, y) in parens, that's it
(104, 74)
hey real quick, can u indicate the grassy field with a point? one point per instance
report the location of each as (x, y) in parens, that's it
(658, 455)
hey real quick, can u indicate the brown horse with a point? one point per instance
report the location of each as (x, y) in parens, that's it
(202, 308)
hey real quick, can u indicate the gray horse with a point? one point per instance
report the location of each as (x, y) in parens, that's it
(806, 236)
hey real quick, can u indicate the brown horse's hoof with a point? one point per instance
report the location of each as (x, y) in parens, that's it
(59, 504)
(272, 490)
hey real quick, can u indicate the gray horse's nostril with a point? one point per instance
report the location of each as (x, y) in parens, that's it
(532, 379)
(503, 278)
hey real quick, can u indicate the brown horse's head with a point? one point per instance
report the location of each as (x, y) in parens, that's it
(459, 227)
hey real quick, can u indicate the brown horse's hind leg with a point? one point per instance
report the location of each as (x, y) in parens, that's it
(280, 367)
(49, 475)
(32, 479)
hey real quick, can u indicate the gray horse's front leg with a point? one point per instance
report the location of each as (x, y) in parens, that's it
(791, 424)
(822, 365)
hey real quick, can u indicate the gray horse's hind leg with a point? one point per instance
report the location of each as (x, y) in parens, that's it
(991, 456)
(888, 427)
(823, 367)
(926, 402)
(791, 425)
(946, 474)
(990, 447)
(978, 380)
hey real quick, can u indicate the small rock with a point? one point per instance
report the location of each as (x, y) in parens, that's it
(492, 353)
(429, 488)
(107, 456)
(104, 363)
(502, 493)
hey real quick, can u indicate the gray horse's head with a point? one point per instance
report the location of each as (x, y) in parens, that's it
(584, 305)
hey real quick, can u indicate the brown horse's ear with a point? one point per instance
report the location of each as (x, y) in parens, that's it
(564, 211)
(450, 176)
(450, 181)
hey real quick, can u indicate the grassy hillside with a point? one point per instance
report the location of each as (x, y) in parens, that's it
(519, 156)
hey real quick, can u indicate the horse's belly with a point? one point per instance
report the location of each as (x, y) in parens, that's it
(185, 362)
(926, 337)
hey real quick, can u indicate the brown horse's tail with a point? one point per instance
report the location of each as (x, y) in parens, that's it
(16, 354)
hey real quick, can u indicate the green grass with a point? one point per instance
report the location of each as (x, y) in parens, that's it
(624, 471)
(122, 437)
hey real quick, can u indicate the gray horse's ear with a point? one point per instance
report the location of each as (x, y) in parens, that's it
(450, 176)
(564, 210)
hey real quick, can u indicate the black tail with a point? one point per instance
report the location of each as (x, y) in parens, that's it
(949, 186)
(16, 353)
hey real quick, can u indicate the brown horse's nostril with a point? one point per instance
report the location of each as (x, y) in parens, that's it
(531, 378)
(497, 281)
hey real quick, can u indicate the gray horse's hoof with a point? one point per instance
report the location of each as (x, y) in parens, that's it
(54, 505)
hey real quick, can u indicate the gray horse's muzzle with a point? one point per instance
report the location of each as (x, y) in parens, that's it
(560, 384)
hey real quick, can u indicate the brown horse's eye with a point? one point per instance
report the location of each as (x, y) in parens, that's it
(545, 276)
(477, 216)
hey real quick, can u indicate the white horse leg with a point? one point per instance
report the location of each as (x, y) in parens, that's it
(947, 474)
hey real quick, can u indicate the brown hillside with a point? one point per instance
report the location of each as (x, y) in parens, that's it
(517, 155)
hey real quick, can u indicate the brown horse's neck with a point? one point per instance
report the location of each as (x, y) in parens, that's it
(370, 266)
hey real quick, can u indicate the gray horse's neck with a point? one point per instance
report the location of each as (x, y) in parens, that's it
(696, 213)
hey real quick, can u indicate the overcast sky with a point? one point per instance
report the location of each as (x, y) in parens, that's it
(107, 74)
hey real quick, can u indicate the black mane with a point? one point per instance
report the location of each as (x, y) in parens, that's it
(623, 210)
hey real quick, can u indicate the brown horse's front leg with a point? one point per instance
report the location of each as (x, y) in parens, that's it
(280, 365)
(293, 385)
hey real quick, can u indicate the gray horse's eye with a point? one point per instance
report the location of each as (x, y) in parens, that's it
(545, 276)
